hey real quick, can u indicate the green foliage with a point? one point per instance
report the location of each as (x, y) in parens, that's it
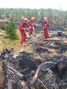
(10, 30)
(42, 13)
(60, 17)
(53, 15)
(65, 17)
(50, 16)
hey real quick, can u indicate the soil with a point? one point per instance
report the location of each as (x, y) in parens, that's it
(43, 50)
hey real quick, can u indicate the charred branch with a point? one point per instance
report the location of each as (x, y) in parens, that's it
(17, 73)
(42, 83)
(4, 44)
(9, 82)
(42, 66)
(5, 54)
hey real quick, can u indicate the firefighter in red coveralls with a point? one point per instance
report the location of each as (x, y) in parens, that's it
(46, 26)
(22, 28)
(31, 28)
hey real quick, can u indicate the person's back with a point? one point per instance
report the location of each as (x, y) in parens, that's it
(46, 23)
(31, 26)
(46, 26)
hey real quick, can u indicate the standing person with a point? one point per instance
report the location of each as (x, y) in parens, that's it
(22, 28)
(31, 27)
(46, 26)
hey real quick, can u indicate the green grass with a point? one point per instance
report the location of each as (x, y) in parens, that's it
(1, 46)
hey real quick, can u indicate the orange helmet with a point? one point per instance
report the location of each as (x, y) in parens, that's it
(26, 19)
(45, 18)
(32, 19)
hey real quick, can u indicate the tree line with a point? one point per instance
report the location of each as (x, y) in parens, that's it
(53, 15)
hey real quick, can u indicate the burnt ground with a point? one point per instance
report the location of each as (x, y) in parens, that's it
(43, 50)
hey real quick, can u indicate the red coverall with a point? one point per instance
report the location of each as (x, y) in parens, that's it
(23, 31)
(46, 26)
(30, 27)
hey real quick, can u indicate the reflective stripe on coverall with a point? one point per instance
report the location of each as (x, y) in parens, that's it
(30, 27)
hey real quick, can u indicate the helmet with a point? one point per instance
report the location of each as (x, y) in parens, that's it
(45, 18)
(26, 19)
(32, 19)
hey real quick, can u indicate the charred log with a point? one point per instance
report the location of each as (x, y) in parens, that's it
(17, 73)
(42, 66)
(54, 66)
(9, 82)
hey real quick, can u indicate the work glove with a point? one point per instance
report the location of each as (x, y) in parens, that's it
(29, 27)
(33, 27)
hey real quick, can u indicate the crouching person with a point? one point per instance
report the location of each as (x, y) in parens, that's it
(22, 28)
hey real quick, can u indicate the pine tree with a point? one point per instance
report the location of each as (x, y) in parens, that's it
(10, 30)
